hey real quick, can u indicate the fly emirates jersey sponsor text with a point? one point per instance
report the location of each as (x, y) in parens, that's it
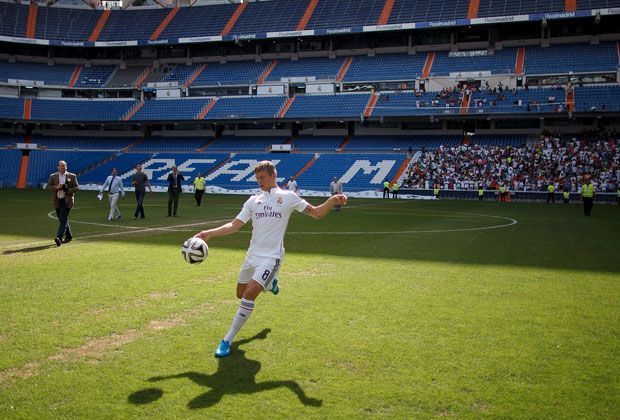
(270, 213)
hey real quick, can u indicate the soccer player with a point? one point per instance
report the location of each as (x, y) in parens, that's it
(269, 211)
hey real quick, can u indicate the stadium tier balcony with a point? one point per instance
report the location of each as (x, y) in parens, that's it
(428, 10)
(170, 109)
(578, 58)
(230, 73)
(317, 143)
(344, 13)
(421, 103)
(318, 68)
(337, 106)
(385, 67)
(58, 75)
(499, 62)
(518, 7)
(65, 23)
(82, 143)
(267, 16)
(246, 107)
(546, 100)
(79, 109)
(199, 21)
(95, 76)
(597, 98)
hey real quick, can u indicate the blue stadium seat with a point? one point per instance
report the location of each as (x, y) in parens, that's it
(246, 107)
(345, 105)
(9, 170)
(578, 58)
(345, 13)
(42, 163)
(428, 10)
(170, 109)
(319, 68)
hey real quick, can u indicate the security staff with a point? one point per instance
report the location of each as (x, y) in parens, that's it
(199, 188)
(502, 193)
(395, 190)
(480, 193)
(566, 197)
(386, 189)
(436, 191)
(551, 193)
(587, 195)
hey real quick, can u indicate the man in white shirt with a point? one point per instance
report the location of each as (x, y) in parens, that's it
(292, 186)
(269, 211)
(114, 186)
(335, 188)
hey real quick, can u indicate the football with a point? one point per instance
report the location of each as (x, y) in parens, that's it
(194, 250)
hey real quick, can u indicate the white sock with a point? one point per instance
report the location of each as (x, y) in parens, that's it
(243, 313)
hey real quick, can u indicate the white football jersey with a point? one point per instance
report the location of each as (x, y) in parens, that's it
(270, 213)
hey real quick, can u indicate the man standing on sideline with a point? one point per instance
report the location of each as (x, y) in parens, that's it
(114, 185)
(199, 188)
(386, 189)
(480, 192)
(175, 180)
(335, 188)
(269, 211)
(587, 195)
(292, 186)
(140, 181)
(63, 185)
(566, 196)
(395, 190)
(551, 193)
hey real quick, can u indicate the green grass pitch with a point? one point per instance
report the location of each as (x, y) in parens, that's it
(406, 309)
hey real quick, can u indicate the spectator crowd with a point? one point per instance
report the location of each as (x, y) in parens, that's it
(554, 159)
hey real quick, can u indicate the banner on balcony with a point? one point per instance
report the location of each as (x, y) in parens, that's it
(320, 88)
(270, 90)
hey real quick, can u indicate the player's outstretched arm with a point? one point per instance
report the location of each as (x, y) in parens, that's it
(227, 229)
(322, 210)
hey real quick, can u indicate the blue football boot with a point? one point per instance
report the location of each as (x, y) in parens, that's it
(223, 349)
(274, 287)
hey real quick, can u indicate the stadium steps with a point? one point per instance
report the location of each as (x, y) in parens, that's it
(97, 164)
(125, 77)
(401, 172)
(131, 145)
(428, 65)
(133, 111)
(142, 77)
(23, 171)
(570, 99)
(472, 12)
(386, 12)
(344, 143)
(344, 68)
(306, 166)
(284, 109)
(205, 110)
(519, 64)
(94, 35)
(303, 22)
(466, 140)
(222, 163)
(465, 103)
(31, 24)
(233, 19)
(202, 148)
(27, 109)
(75, 75)
(194, 75)
(570, 6)
(370, 106)
(164, 23)
(265, 73)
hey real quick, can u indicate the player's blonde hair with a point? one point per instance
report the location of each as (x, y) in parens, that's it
(266, 166)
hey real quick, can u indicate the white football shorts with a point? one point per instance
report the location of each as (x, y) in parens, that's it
(261, 269)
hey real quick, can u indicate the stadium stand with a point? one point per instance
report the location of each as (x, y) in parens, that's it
(386, 67)
(597, 98)
(578, 58)
(163, 144)
(123, 163)
(199, 21)
(132, 24)
(230, 73)
(401, 143)
(170, 109)
(319, 68)
(50, 75)
(342, 13)
(43, 163)
(80, 109)
(82, 143)
(9, 170)
(345, 105)
(95, 76)
(518, 7)
(11, 108)
(259, 17)
(428, 10)
(317, 143)
(500, 62)
(246, 107)
(65, 23)
(243, 143)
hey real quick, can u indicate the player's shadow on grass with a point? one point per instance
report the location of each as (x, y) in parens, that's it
(236, 374)
(29, 249)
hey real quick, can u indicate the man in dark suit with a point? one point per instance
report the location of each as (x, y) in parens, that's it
(63, 185)
(175, 180)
